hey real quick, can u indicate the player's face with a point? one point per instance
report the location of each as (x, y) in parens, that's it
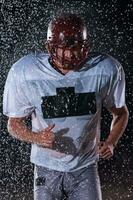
(69, 57)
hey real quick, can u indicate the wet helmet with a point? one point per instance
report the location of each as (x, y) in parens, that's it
(67, 35)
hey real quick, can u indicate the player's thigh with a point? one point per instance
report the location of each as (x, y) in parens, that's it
(88, 187)
(41, 193)
(46, 184)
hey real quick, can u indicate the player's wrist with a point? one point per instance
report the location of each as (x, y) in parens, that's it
(110, 143)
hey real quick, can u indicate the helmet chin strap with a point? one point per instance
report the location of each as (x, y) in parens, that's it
(58, 65)
(61, 65)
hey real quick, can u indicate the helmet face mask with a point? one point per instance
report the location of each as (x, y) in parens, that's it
(67, 42)
(68, 57)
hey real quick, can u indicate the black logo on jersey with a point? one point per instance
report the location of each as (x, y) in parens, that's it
(68, 103)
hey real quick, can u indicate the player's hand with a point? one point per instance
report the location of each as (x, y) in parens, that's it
(46, 137)
(106, 150)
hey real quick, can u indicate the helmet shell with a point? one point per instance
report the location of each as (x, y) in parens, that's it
(66, 29)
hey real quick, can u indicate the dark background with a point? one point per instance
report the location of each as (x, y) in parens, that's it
(23, 27)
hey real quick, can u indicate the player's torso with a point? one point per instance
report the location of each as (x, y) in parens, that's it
(70, 101)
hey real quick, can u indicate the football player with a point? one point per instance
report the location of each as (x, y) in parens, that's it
(63, 91)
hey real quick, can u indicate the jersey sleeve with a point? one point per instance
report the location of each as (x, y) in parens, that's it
(15, 102)
(115, 96)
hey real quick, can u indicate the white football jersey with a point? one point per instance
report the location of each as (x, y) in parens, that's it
(72, 102)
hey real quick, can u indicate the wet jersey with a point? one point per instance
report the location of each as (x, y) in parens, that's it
(72, 102)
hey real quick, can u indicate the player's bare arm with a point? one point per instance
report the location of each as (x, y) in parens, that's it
(118, 125)
(18, 129)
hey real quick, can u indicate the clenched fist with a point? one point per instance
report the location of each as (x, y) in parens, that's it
(106, 150)
(46, 137)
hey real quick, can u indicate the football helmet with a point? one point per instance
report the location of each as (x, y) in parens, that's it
(67, 41)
